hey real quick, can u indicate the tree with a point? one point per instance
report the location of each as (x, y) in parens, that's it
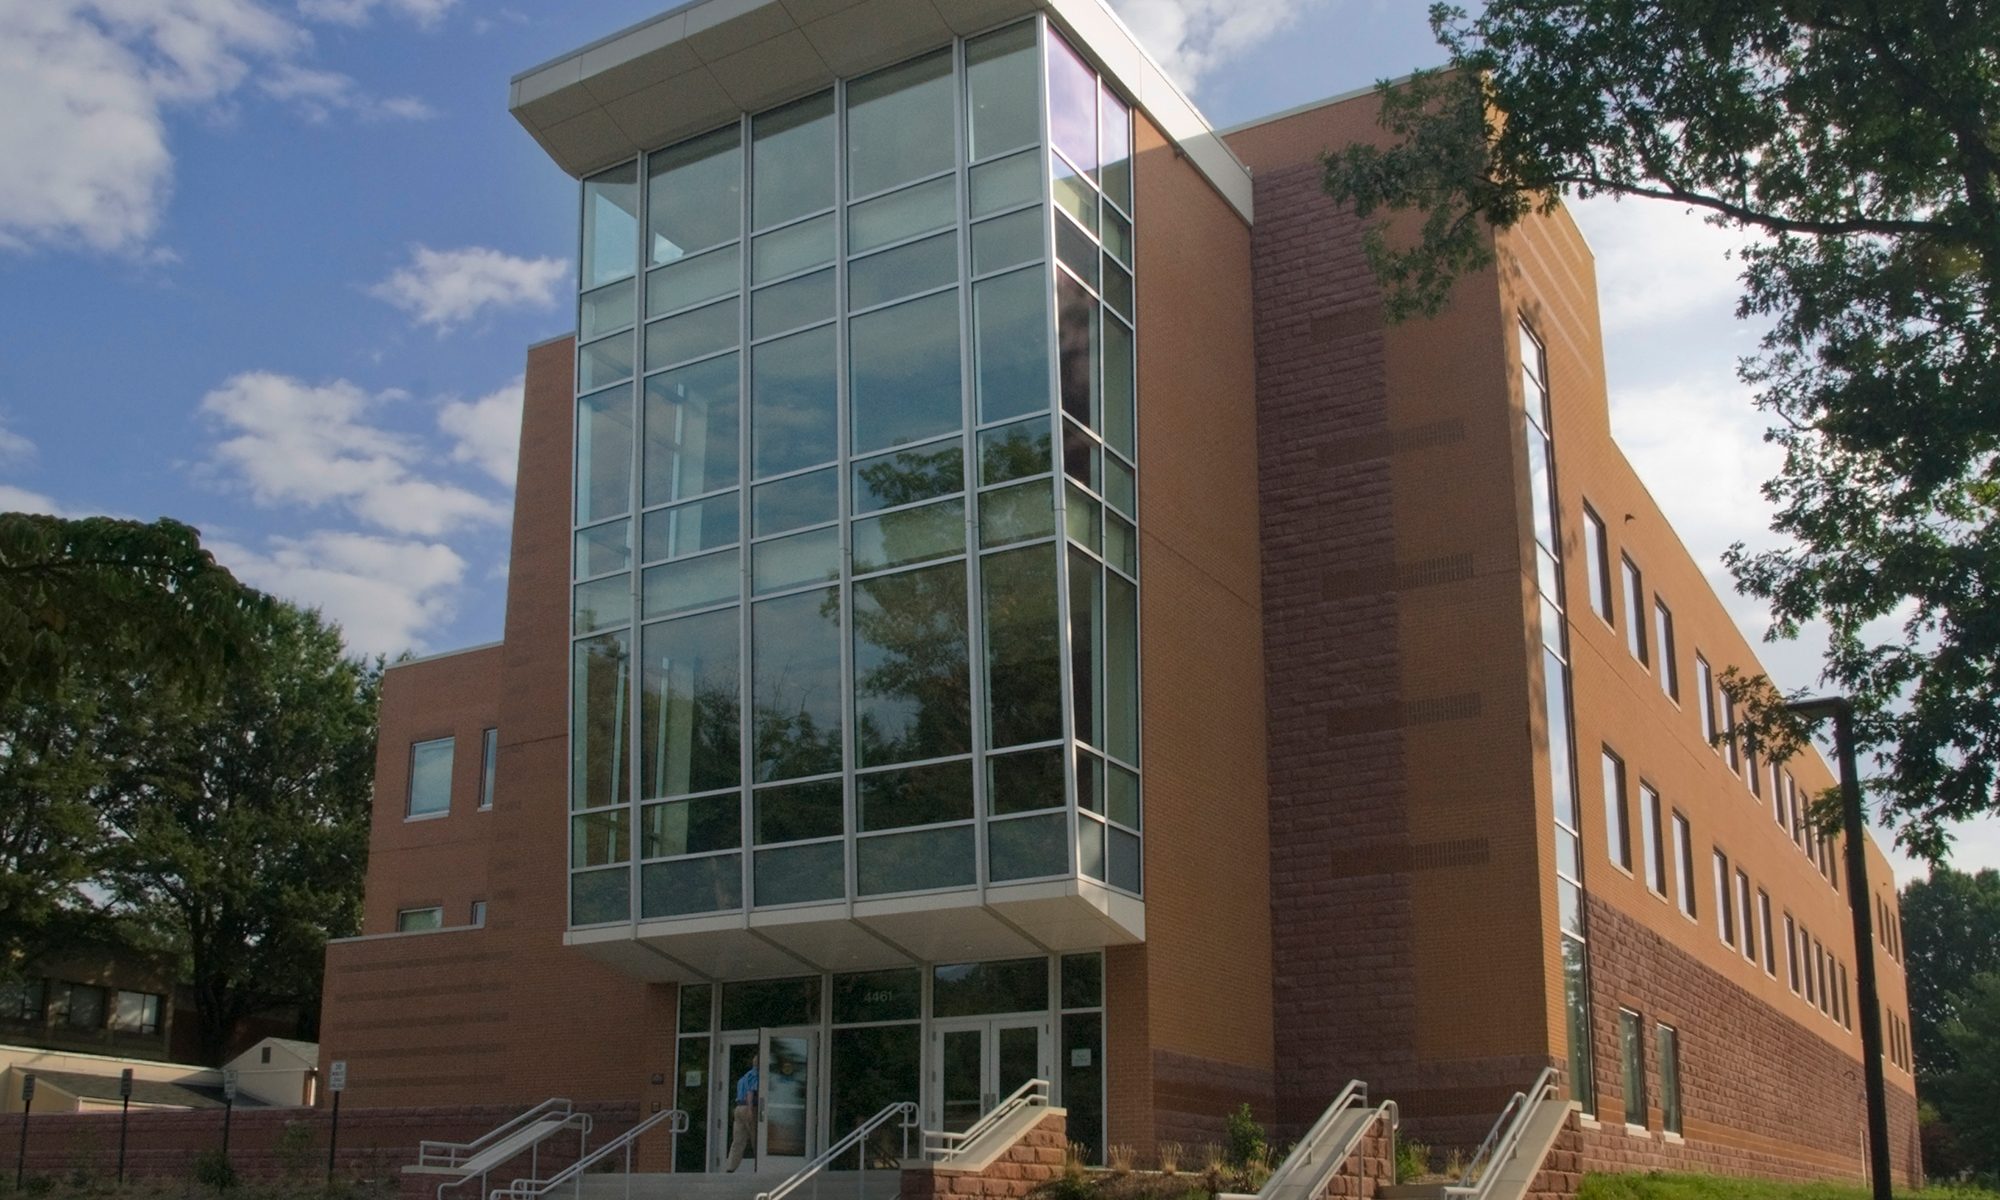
(104, 595)
(50, 766)
(1970, 1096)
(1859, 142)
(1951, 935)
(238, 829)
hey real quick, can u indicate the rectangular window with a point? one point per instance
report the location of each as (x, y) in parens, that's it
(430, 778)
(1834, 850)
(1597, 561)
(1617, 825)
(1777, 795)
(21, 999)
(1764, 926)
(1663, 632)
(1806, 957)
(1669, 1040)
(417, 920)
(136, 1012)
(1730, 748)
(1705, 680)
(1819, 970)
(1684, 858)
(1725, 912)
(1632, 1041)
(489, 758)
(1743, 907)
(1753, 771)
(1792, 953)
(1846, 1006)
(1635, 603)
(77, 1005)
(478, 913)
(1797, 813)
(1653, 838)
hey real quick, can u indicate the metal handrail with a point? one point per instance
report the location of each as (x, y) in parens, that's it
(855, 1137)
(1356, 1092)
(455, 1153)
(555, 1123)
(1505, 1137)
(1304, 1154)
(1034, 1093)
(529, 1189)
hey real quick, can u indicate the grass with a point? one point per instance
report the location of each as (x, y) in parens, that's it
(1712, 1187)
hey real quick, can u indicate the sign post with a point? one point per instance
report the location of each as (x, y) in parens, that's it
(336, 1082)
(27, 1106)
(124, 1116)
(228, 1107)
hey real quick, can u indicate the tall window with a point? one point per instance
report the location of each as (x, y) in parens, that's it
(1670, 1078)
(1792, 953)
(1808, 964)
(1663, 633)
(1764, 926)
(1597, 562)
(489, 759)
(1725, 911)
(1705, 680)
(1635, 603)
(1749, 922)
(1653, 838)
(1778, 795)
(430, 778)
(1684, 856)
(1797, 813)
(1617, 824)
(1632, 1045)
(1730, 748)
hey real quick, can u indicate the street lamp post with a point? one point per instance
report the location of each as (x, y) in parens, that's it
(1841, 710)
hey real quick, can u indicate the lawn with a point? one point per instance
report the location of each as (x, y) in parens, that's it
(1713, 1187)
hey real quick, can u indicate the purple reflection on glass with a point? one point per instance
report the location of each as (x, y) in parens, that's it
(1072, 104)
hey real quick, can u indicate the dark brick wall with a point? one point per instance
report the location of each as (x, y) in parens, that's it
(1029, 1164)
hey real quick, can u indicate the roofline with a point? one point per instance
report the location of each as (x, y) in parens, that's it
(425, 658)
(1310, 105)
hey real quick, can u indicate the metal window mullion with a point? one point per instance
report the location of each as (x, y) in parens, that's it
(850, 799)
(746, 718)
(975, 625)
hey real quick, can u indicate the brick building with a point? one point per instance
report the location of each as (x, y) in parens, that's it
(991, 599)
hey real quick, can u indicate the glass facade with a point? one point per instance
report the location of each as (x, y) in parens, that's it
(856, 551)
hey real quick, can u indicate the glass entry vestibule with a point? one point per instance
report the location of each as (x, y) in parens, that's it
(771, 1072)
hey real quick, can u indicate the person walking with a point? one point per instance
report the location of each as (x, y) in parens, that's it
(743, 1118)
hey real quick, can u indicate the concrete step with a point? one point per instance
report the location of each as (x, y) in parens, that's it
(743, 1185)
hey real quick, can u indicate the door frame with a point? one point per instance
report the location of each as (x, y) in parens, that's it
(810, 1094)
(989, 1028)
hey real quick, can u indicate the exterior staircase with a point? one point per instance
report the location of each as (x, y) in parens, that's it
(1505, 1166)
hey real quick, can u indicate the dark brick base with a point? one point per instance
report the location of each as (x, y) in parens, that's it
(1033, 1161)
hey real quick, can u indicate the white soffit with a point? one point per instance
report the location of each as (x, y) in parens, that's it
(694, 67)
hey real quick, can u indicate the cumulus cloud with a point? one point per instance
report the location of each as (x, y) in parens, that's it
(487, 432)
(426, 13)
(318, 95)
(16, 499)
(444, 288)
(84, 131)
(1659, 262)
(290, 442)
(14, 449)
(1191, 37)
(385, 593)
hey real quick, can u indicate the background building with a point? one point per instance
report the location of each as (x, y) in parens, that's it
(990, 599)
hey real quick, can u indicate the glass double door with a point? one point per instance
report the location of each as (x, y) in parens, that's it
(977, 1062)
(776, 1128)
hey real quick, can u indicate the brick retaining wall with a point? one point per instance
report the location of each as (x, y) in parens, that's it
(1034, 1160)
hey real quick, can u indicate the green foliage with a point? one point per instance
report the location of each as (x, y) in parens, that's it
(297, 1148)
(1951, 934)
(1857, 144)
(1657, 1186)
(1413, 1161)
(1970, 1095)
(213, 1169)
(1244, 1142)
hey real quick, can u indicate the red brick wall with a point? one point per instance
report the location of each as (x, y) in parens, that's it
(1028, 1164)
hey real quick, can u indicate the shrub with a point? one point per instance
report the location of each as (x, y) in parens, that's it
(1413, 1161)
(1246, 1144)
(213, 1169)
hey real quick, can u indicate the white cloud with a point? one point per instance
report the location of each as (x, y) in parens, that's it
(1191, 37)
(487, 431)
(14, 499)
(426, 13)
(14, 449)
(1659, 262)
(386, 593)
(89, 84)
(317, 95)
(299, 443)
(443, 288)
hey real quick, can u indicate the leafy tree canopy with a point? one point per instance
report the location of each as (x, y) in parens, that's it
(1859, 140)
(1970, 1095)
(1951, 935)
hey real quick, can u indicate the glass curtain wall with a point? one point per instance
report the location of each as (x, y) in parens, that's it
(842, 625)
(1563, 783)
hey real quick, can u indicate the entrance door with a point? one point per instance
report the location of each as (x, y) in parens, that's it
(787, 1129)
(978, 1062)
(735, 1057)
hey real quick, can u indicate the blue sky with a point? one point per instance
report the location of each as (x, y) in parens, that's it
(270, 267)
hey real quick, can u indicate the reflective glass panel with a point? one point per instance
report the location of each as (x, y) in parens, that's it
(1121, 544)
(1007, 241)
(912, 684)
(792, 160)
(1116, 283)
(1090, 845)
(610, 225)
(1076, 335)
(604, 310)
(905, 372)
(909, 535)
(691, 885)
(694, 194)
(603, 548)
(1072, 104)
(915, 862)
(692, 280)
(791, 304)
(899, 124)
(800, 558)
(1027, 848)
(430, 777)
(800, 874)
(1025, 781)
(895, 995)
(1124, 861)
(604, 362)
(1082, 1057)
(797, 812)
(1023, 646)
(694, 1002)
(795, 501)
(796, 685)
(603, 455)
(1001, 88)
(690, 731)
(1119, 486)
(874, 1067)
(975, 989)
(794, 385)
(600, 837)
(1117, 235)
(597, 706)
(691, 826)
(1086, 643)
(690, 528)
(1075, 250)
(1119, 417)
(691, 430)
(1080, 514)
(602, 603)
(907, 476)
(902, 214)
(1073, 193)
(1114, 128)
(1121, 668)
(599, 896)
(1006, 182)
(1015, 514)
(1081, 456)
(691, 583)
(695, 334)
(785, 251)
(1014, 451)
(766, 1003)
(1011, 338)
(904, 271)
(1121, 795)
(927, 795)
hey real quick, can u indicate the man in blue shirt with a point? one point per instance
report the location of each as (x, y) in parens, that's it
(743, 1118)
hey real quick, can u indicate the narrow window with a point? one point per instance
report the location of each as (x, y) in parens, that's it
(417, 920)
(1743, 908)
(1764, 926)
(1819, 968)
(1705, 680)
(1669, 1040)
(1654, 844)
(1725, 912)
(1632, 1040)
(1777, 795)
(1663, 629)
(1730, 746)
(1617, 825)
(1846, 1008)
(1635, 603)
(1806, 953)
(1798, 812)
(1753, 772)
(1596, 559)
(430, 778)
(478, 913)
(1834, 849)
(1792, 953)
(489, 758)
(1684, 856)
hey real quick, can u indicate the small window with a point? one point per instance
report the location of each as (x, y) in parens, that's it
(1764, 927)
(417, 920)
(1663, 634)
(1635, 603)
(1669, 1040)
(264, 1055)
(1704, 678)
(136, 1012)
(1617, 825)
(1654, 840)
(21, 999)
(1632, 1041)
(1596, 557)
(77, 1005)
(489, 758)
(1725, 912)
(1792, 953)
(1684, 856)
(478, 913)
(430, 778)
(1743, 908)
